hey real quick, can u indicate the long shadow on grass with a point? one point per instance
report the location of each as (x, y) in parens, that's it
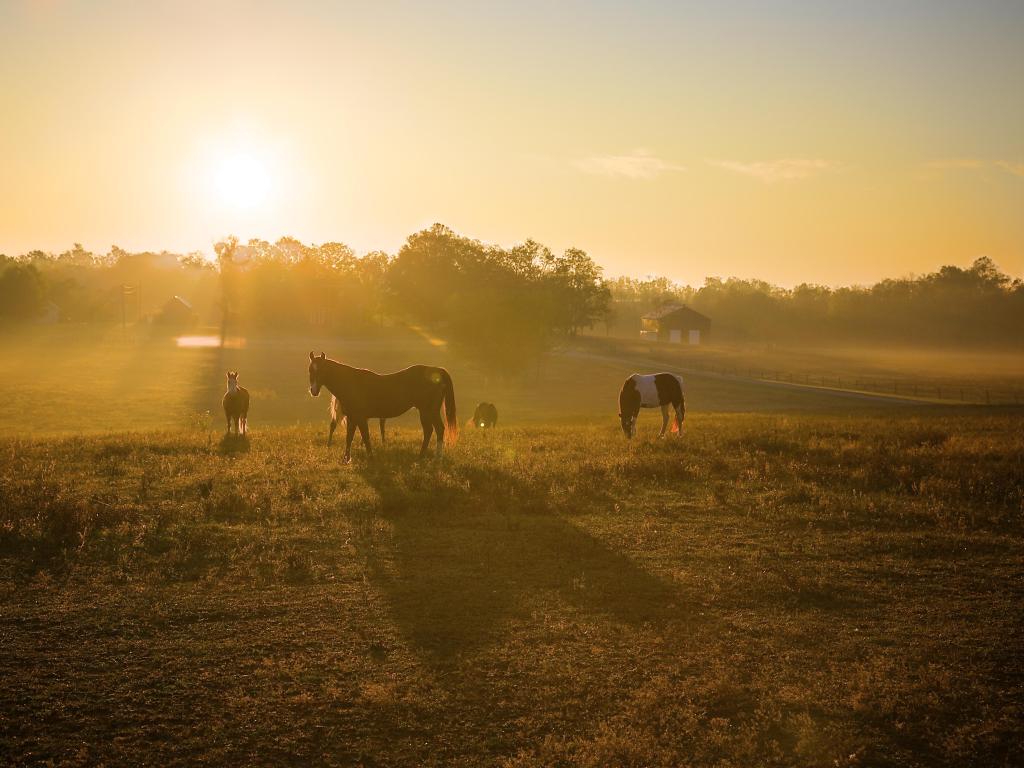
(207, 388)
(473, 547)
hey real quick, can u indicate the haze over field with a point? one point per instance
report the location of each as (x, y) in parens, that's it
(834, 143)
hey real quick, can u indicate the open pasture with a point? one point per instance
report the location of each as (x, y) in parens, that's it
(75, 379)
(767, 590)
(950, 375)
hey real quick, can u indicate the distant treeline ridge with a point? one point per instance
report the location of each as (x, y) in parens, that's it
(505, 306)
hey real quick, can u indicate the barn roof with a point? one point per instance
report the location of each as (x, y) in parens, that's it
(671, 309)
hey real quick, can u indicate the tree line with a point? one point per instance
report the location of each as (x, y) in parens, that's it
(976, 305)
(503, 306)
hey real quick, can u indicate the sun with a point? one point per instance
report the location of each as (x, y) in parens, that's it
(241, 179)
(244, 178)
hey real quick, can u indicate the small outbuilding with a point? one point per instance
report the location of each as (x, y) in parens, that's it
(177, 311)
(676, 324)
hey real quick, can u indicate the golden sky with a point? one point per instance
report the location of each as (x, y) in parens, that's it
(823, 142)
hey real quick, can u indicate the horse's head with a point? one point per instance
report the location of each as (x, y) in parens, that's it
(629, 407)
(315, 364)
(232, 379)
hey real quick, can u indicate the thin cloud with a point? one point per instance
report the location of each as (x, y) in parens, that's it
(1015, 168)
(774, 171)
(955, 164)
(640, 164)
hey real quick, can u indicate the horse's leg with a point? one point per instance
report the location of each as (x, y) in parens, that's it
(664, 419)
(330, 433)
(680, 415)
(425, 422)
(243, 424)
(382, 431)
(439, 431)
(350, 432)
(364, 432)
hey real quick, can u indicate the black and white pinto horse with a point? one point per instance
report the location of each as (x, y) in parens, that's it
(653, 390)
(359, 395)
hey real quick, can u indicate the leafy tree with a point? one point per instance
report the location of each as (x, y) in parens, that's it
(581, 298)
(22, 292)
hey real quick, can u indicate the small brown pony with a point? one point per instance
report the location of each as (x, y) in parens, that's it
(236, 405)
(359, 395)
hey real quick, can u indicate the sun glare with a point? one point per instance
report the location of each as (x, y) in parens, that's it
(241, 179)
(242, 174)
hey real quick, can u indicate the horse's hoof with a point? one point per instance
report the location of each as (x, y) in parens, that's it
(346, 460)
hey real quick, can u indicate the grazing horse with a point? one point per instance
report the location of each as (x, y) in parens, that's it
(485, 416)
(236, 405)
(360, 395)
(654, 390)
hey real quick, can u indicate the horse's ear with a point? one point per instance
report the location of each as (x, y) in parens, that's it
(323, 355)
(311, 356)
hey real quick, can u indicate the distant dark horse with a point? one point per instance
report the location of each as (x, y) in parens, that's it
(360, 395)
(655, 390)
(485, 416)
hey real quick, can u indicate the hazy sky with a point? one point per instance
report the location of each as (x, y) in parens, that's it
(795, 141)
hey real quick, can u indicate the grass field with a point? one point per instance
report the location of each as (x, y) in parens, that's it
(89, 380)
(806, 577)
(767, 590)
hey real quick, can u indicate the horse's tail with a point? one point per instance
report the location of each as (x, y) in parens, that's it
(677, 422)
(452, 434)
(334, 411)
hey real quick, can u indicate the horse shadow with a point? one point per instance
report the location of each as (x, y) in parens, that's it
(474, 548)
(231, 444)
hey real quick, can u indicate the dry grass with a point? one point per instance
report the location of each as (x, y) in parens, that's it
(810, 590)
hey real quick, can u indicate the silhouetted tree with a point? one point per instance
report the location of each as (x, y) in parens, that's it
(22, 292)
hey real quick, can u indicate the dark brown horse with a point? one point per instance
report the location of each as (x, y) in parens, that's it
(360, 395)
(485, 416)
